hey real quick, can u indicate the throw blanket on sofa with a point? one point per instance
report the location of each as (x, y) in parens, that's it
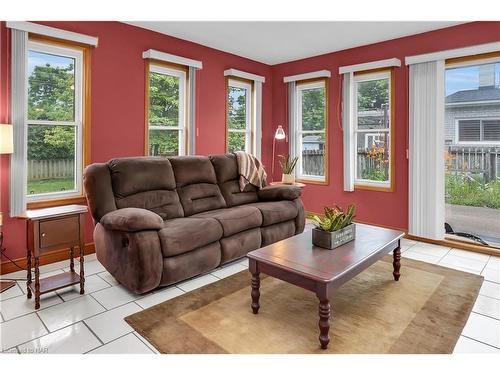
(250, 170)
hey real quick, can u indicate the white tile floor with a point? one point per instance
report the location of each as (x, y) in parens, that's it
(70, 323)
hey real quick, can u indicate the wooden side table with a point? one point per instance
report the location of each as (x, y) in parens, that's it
(277, 183)
(52, 229)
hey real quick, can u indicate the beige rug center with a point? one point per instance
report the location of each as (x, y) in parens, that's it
(369, 313)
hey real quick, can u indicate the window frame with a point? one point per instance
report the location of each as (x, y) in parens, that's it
(178, 71)
(249, 131)
(300, 86)
(81, 53)
(481, 131)
(365, 76)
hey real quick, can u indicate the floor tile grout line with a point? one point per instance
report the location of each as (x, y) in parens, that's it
(106, 343)
(95, 334)
(481, 342)
(35, 311)
(485, 315)
(43, 323)
(100, 304)
(146, 343)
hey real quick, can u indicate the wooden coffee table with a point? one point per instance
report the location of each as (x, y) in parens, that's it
(297, 261)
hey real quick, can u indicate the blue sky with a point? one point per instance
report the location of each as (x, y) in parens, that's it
(466, 78)
(37, 58)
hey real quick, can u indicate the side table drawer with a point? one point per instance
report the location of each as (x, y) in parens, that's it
(54, 232)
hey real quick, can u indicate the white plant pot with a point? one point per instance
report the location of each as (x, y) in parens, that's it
(287, 178)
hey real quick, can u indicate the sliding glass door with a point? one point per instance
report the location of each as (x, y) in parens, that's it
(472, 150)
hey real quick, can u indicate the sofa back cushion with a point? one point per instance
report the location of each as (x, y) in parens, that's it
(145, 182)
(196, 184)
(226, 171)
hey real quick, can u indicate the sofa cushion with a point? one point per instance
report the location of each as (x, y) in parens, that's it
(239, 244)
(196, 184)
(276, 212)
(184, 266)
(181, 235)
(145, 182)
(277, 232)
(236, 219)
(226, 171)
(131, 220)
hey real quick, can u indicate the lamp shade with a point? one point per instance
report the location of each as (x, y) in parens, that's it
(6, 139)
(280, 133)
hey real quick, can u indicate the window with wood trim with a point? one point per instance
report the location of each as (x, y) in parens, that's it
(311, 131)
(166, 97)
(372, 117)
(239, 119)
(57, 146)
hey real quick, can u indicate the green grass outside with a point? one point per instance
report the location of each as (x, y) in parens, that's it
(474, 193)
(50, 185)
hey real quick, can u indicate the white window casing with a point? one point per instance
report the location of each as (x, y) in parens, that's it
(256, 107)
(481, 123)
(248, 131)
(193, 66)
(183, 115)
(426, 150)
(298, 131)
(77, 123)
(385, 75)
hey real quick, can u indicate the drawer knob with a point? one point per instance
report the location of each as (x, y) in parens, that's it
(43, 234)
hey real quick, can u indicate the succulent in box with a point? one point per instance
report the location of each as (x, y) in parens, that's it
(335, 218)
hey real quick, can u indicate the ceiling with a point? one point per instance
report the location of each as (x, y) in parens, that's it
(281, 41)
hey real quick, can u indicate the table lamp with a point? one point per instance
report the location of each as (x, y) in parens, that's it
(6, 147)
(278, 135)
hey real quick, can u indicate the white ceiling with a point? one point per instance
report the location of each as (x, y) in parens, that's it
(277, 42)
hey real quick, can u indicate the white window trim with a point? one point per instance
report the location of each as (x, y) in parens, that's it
(53, 32)
(310, 75)
(453, 53)
(365, 78)
(168, 57)
(388, 63)
(299, 132)
(244, 75)
(182, 129)
(249, 126)
(77, 55)
(481, 130)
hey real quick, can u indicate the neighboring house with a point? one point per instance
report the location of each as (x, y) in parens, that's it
(313, 143)
(472, 117)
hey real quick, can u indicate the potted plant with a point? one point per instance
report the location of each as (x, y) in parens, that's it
(335, 228)
(287, 166)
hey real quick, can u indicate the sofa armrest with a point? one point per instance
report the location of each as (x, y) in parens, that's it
(131, 220)
(279, 193)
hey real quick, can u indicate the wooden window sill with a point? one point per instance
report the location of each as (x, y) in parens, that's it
(57, 202)
(384, 189)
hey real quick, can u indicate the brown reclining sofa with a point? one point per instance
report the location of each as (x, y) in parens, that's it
(162, 220)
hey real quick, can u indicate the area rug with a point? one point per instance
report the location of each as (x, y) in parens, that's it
(424, 312)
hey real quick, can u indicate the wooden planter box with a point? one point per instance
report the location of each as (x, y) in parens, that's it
(331, 240)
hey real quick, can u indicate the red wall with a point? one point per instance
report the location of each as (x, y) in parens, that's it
(117, 99)
(117, 118)
(383, 208)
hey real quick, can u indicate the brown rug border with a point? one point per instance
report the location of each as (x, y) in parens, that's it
(428, 318)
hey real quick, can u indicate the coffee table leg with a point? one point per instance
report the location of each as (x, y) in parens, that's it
(254, 270)
(396, 263)
(324, 316)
